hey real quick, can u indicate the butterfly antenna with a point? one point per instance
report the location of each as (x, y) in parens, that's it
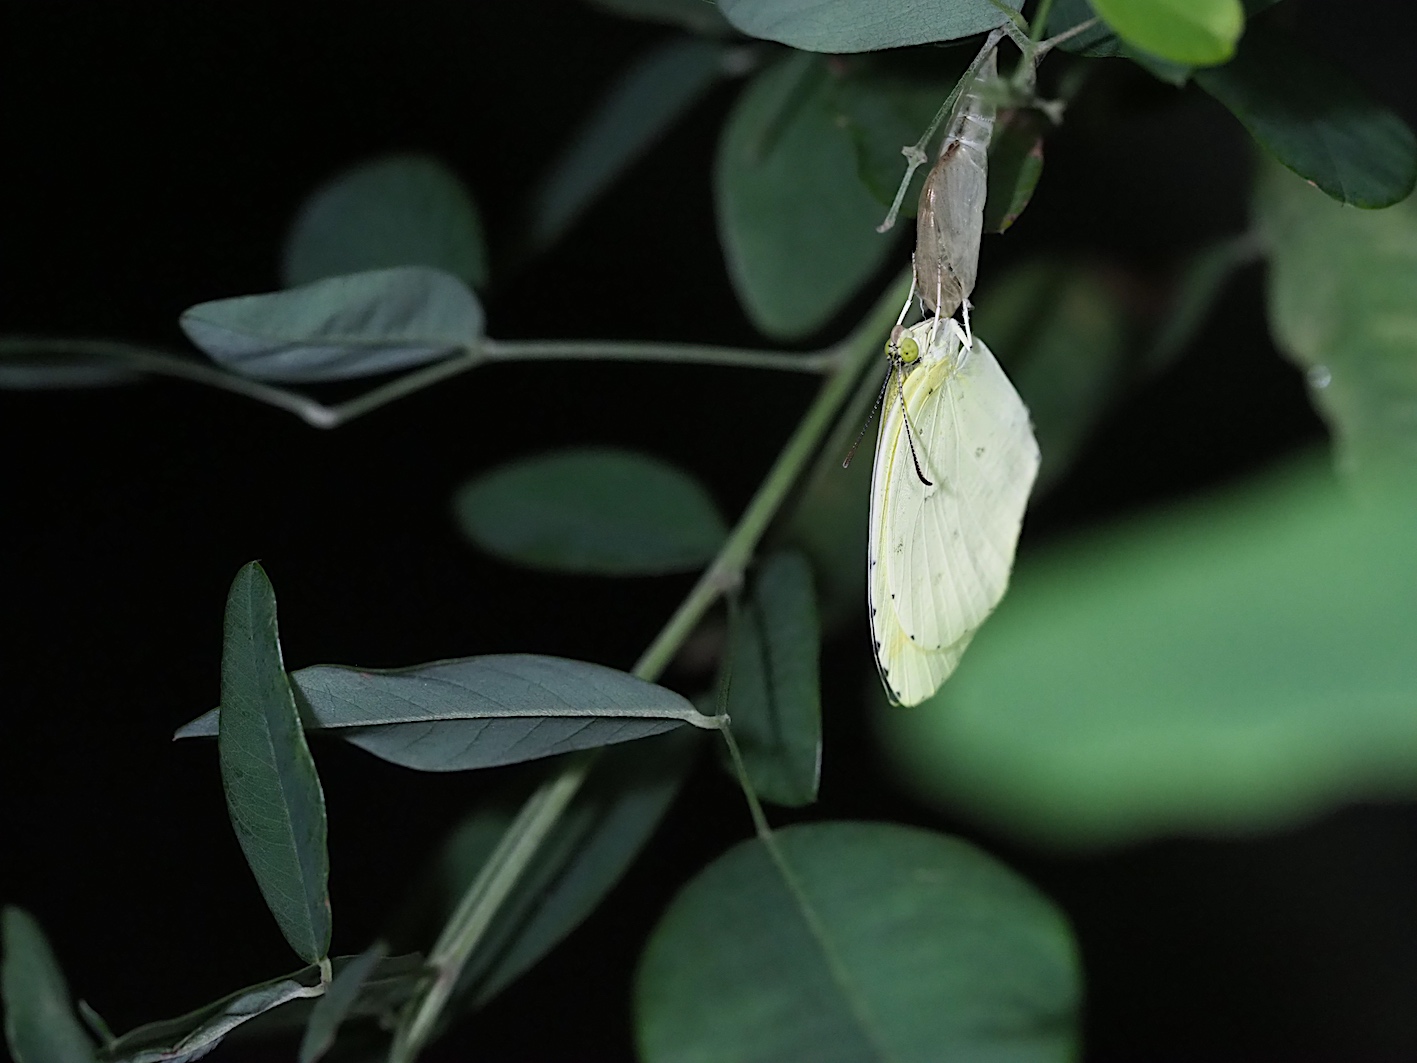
(869, 418)
(910, 438)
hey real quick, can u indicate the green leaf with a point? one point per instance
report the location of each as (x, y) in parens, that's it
(1193, 32)
(653, 94)
(1101, 42)
(797, 227)
(40, 1025)
(1233, 664)
(1200, 282)
(1015, 165)
(198, 1032)
(272, 792)
(595, 510)
(1343, 304)
(1061, 334)
(269, 1007)
(591, 847)
(774, 700)
(697, 16)
(339, 1000)
(340, 328)
(887, 943)
(862, 25)
(398, 210)
(883, 105)
(1316, 120)
(480, 712)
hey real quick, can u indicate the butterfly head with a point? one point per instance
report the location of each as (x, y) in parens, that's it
(902, 347)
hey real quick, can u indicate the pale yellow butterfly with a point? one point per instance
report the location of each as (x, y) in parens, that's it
(955, 462)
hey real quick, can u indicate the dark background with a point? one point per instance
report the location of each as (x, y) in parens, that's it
(155, 153)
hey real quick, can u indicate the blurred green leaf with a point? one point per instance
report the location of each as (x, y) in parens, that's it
(887, 943)
(479, 712)
(1193, 32)
(862, 25)
(774, 698)
(1061, 334)
(40, 1025)
(338, 1002)
(339, 328)
(272, 791)
(1102, 42)
(798, 228)
(649, 97)
(883, 106)
(398, 210)
(1231, 664)
(96, 1024)
(591, 847)
(1316, 119)
(1015, 165)
(697, 16)
(1200, 281)
(592, 509)
(1343, 304)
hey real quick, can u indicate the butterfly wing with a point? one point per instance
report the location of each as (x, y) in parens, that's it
(947, 547)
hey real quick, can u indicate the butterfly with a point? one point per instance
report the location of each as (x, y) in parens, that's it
(955, 462)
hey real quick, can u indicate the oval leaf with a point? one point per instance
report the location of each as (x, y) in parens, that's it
(400, 210)
(774, 699)
(481, 712)
(1194, 32)
(40, 1024)
(1234, 664)
(797, 226)
(916, 948)
(862, 25)
(340, 328)
(1316, 120)
(272, 791)
(1343, 304)
(646, 101)
(595, 510)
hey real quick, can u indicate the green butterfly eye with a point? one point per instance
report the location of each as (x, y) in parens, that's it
(908, 350)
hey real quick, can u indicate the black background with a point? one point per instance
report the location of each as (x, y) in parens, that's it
(155, 152)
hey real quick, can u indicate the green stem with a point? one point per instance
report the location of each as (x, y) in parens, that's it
(1039, 26)
(534, 823)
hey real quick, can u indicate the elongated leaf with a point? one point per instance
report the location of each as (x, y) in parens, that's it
(1316, 120)
(1343, 304)
(649, 98)
(1232, 664)
(611, 819)
(861, 25)
(1061, 334)
(797, 227)
(40, 1025)
(595, 510)
(480, 712)
(890, 944)
(774, 699)
(270, 1007)
(1015, 165)
(340, 328)
(272, 792)
(338, 1002)
(1194, 32)
(399, 210)
(195, 1034)
(698, 16)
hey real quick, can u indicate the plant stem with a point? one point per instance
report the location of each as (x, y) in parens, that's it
(536, 819)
